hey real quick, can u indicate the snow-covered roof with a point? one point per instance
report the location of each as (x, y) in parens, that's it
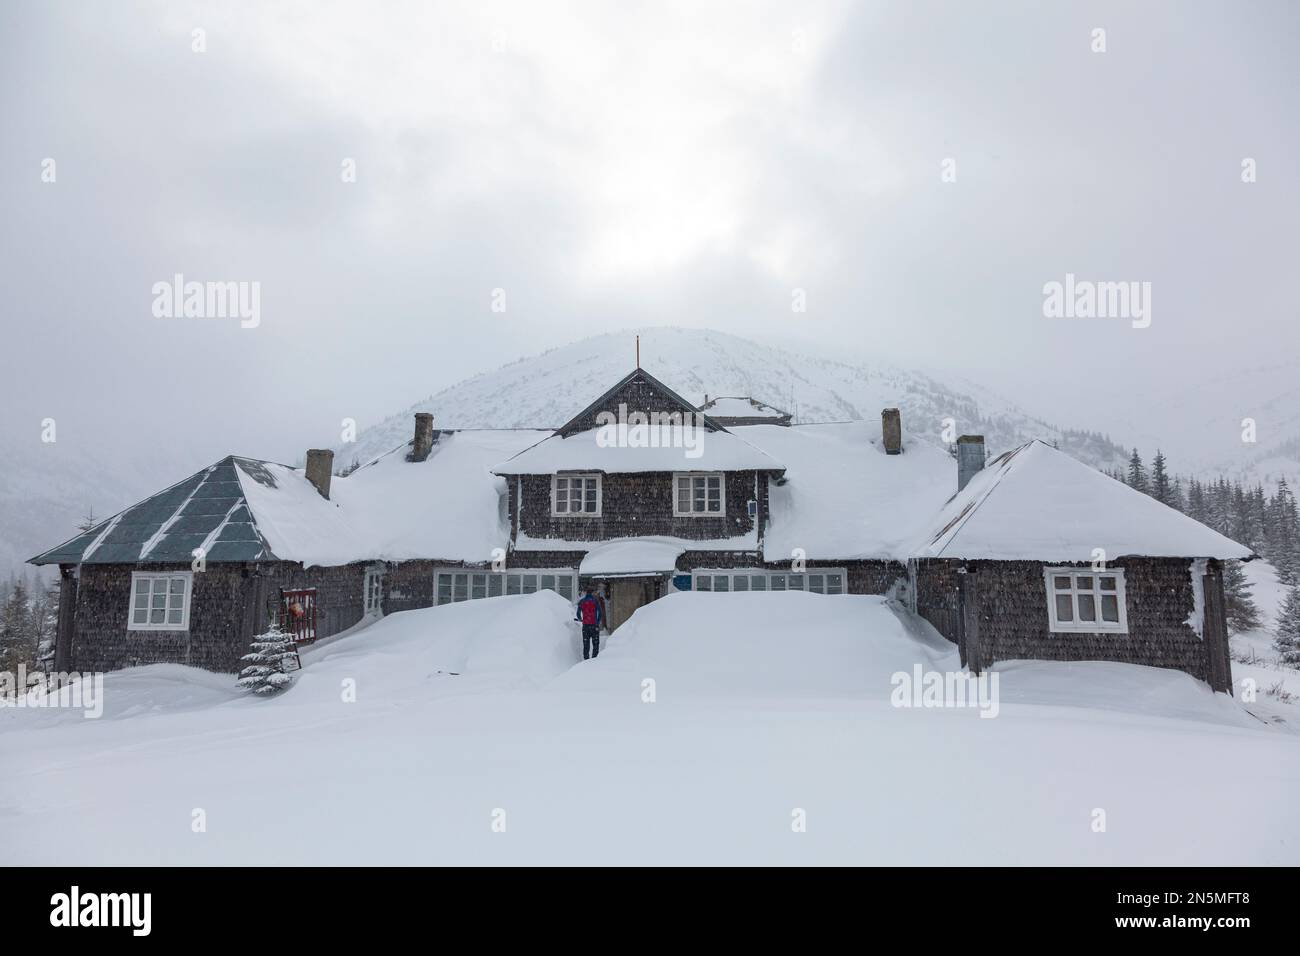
(1036, 503)
(633, 556)
(640, 448)
(207, 510)
(843, 497)
(729, 406)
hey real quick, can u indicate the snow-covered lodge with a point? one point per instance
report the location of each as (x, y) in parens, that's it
(1035, 555)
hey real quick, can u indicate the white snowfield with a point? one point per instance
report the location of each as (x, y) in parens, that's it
(707, 731)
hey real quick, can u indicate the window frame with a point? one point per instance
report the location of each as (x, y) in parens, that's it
(168, 576)
(1078, 626)
(372, 584)
(767, 575)
(679, 476)
(470, 586)
(579, 476)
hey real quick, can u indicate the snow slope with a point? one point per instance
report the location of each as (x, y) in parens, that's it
(764, 706)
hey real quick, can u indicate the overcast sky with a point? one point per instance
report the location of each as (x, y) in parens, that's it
(621, 164)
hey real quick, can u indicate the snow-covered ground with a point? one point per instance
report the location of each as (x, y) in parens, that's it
(1276, 685)
(710, 727)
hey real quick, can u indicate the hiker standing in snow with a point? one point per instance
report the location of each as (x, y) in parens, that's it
(592, 615)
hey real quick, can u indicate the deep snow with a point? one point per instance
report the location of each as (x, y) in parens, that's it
(764, 705)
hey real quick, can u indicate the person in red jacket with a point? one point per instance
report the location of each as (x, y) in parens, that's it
(592, 615)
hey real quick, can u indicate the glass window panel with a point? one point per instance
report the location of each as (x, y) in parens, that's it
(758, 582)
(479, 586)
(174, 616)
(513, 582)
(1061, 582)
(140, 616)
(548, 582)
(1110, 608)
(494, 585)
(460, 587)
(721, 582)
(704, 583)
(777, 582)
(1064, 608)
(1107, 583)
(1087, 607)
(530, 583)
(565, 583)
(156, 615)
(795, 582)
(817, 583)
(834, 584)
(160, 599)
(1083, 582)
(740, 582)
(141, 596)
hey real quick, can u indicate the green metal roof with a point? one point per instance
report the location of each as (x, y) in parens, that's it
(207, 510)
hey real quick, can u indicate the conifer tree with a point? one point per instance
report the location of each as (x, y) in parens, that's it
(1238, 603)
(1137, 473)
(1161, 489)
(266, 670)
(1287, 639)
(16, 645)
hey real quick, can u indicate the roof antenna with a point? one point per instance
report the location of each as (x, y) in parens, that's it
(638, 351)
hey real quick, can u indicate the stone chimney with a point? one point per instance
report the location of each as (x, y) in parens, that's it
(970, 458)
(891, 430)
(320, 465)
(423, 443)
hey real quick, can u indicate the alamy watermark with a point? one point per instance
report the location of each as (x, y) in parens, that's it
(1085, 299)
(70, 689)
(624, 429)
(942, 689)
(179, 299)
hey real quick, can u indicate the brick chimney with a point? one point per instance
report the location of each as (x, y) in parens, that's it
(423, 443)
(970, 458)
(891, 430)
(320, 465)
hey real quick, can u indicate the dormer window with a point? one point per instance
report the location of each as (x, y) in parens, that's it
(699, 496)
(575, 495)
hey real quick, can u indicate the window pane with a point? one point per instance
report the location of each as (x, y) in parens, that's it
(140, 616)
(834, 584)
(530, 583)
(156, 616)
(444, 588)
(1087, 607)
(548, 582)
(704, 583)
(141, 595)
(513, 582)
(1107, 584)
(758, 582)
(1064, 608)
(460, 587)
(479, 582)
(777, 582)
(816, 584)
(721, 582)
(494, 585)
(1110, 608)
(795, 582)
(1062, 583)
(160, 598)
(565, 585)
(740, 582)
(174, 616)
(1083, 582)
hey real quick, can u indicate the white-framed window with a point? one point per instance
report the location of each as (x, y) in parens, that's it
(373, 586)
(575, 495)
(453, 585)
(160, 601)
(817, 580)
(1083, 600)
(699, 495)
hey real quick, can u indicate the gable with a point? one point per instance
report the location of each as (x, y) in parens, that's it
(639, 391)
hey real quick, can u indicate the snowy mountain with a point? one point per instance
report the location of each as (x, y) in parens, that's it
(545, 391)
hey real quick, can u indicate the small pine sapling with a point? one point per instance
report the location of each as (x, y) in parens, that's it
(1287, 641)
(268, 662)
